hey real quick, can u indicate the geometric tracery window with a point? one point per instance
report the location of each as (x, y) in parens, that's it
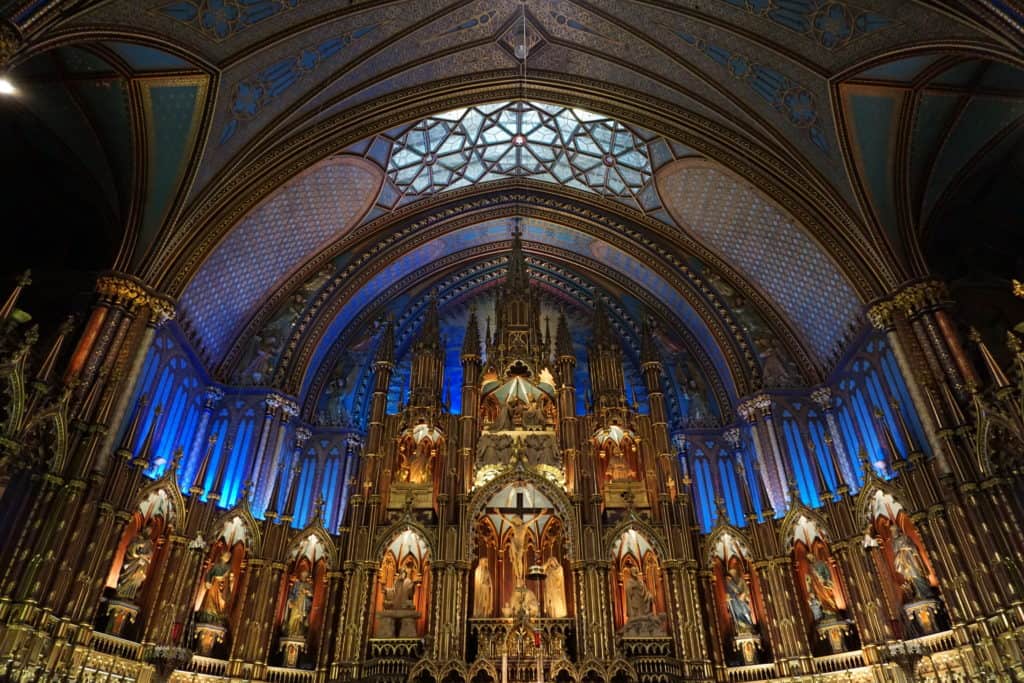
(519, 139)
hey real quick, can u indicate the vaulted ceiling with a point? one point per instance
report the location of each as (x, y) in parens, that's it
(749, 173)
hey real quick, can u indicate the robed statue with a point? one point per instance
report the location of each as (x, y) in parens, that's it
(641, 619)
(821, 592)
(400, 595)
(483, 590)
(910, 566)
(298, 606)
(554, 589)
(219, 582)
(137, 557)
(639, 601)
(741, 607)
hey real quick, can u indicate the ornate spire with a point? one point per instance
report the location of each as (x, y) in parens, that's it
(517, 279)
(429, 338)
(471, 342)
(648, 349)
(998, 376)
(563, 340)
(386, 349)
(24, 280)
(603, 335)
(46, 368)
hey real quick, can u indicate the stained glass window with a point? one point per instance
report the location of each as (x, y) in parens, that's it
(519, 139)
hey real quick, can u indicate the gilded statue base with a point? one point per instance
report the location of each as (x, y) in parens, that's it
(923, 613)
(834, 631)
(646, 626)
(617, 493)
(291, 648)
(207, 637)
(522, 599)
(404, 619)
(422, 496)
(120, 613)
(748, 644)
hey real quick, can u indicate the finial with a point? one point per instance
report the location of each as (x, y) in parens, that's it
(176, 457)
(24, 280)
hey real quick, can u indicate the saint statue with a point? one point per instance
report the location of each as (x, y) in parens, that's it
(298, 606)
(910, 567)
(400, 595)
(219, 583)
(419, 463)
(137, 557)
(533, 415)
(639, 601)
(821, 594)
(503, 420)
(740, 605)
(483, 591)
(554, 589)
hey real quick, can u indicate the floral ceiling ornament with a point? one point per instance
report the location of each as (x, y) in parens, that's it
(786, 96)
(833, 25)
(222, 19)
(254, 94)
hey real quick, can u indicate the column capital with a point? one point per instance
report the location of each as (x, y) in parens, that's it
(733, 437)
(753, 408)
(881, 315)
(212, 395)
(301, 436)
(129, 291)
(823, 397)
(911, 299)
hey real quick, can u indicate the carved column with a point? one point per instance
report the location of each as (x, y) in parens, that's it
(211, 397)
(882, 316)
(755, 412)
(272, 458)
(255, 475)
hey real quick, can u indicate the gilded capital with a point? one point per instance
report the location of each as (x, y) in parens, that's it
(823, 397)
(881, 315)
(212, 395)
(121, 289)
(161, 309)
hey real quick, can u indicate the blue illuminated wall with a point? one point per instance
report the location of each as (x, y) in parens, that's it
(869, 399)
(172, 379)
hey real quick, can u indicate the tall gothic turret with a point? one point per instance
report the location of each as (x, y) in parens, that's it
(517, 347)
(605, 361)
(426, 380)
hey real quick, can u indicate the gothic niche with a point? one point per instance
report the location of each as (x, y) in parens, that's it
(142, 544)
(518, 417)
(820, 585)
(618, 465)
(219, 586)
(417, 450)
(903, 563)
(638, 587)
(520, 571)
(403, 587)
(736, 588)
(301, 598)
